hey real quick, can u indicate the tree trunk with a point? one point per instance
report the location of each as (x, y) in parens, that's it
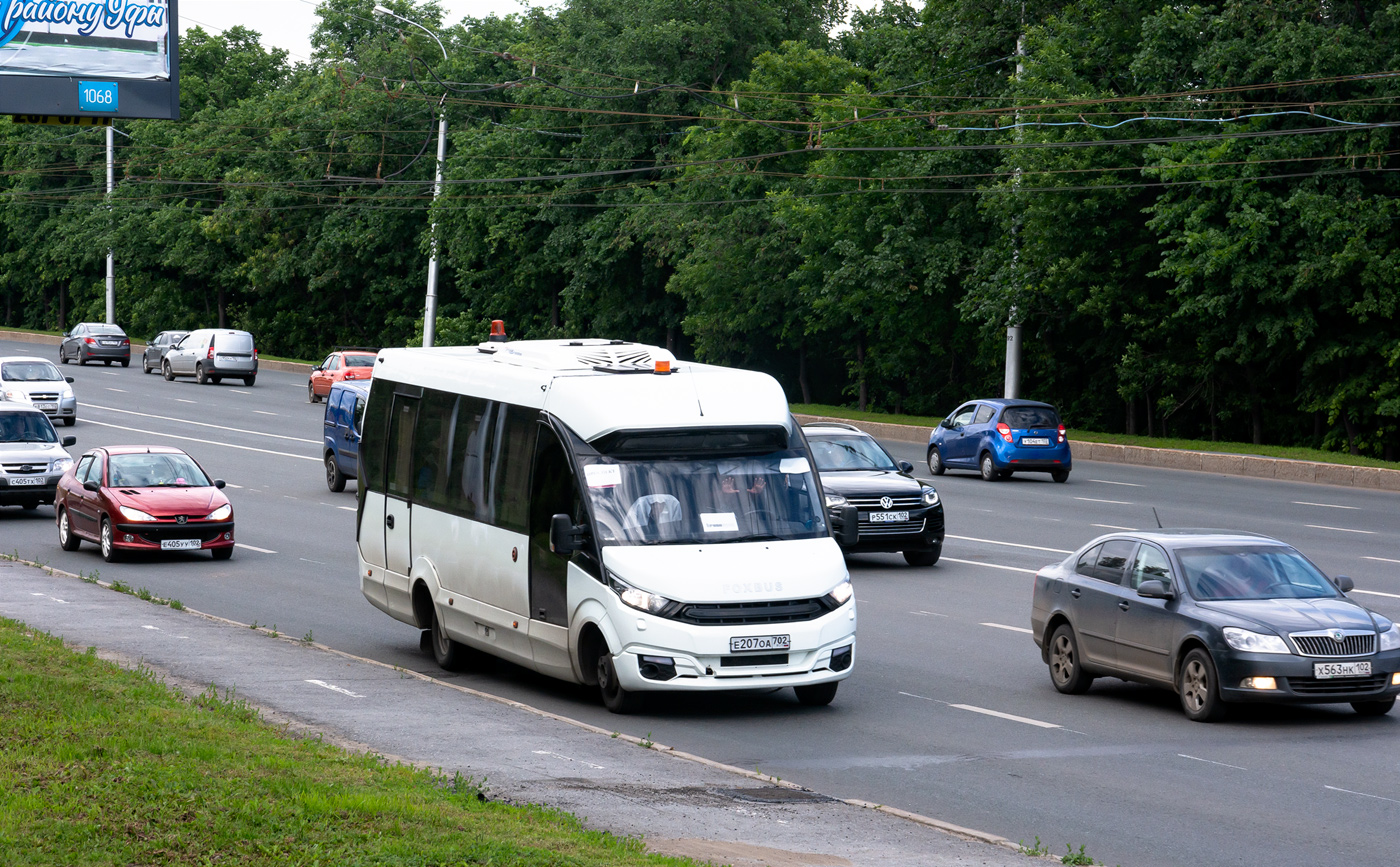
(1351, 433)
(62, 308)
(1147, 399)
(1318, 430)
(802, 381)
(554, 310)
(671, 339)
(863, 392)
(1256, 409)
(1130, 417)
(222, 308)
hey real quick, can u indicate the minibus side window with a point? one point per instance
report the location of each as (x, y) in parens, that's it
(432, 448)
(508, 468)
(400, 454)
(373, 433)
(466, 485)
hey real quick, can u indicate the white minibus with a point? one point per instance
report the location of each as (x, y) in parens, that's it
(599, 512)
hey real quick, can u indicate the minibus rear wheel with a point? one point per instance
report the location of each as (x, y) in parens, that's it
(450, 655)
(615, 698)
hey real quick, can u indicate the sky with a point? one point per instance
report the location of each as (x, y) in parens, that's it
(288, 23)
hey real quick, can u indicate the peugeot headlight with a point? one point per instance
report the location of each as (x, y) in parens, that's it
(1390, 639)
(930, 497)
(58, 465)
(134, 514)
(220, 514)
(835, 501)
(840, 594)
(1254, 642)
(638, 599)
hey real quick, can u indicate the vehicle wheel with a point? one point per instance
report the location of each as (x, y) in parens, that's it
(62, 358)
(935, 462)
(989, 468)
(922, 558)
(249, 380)
(1066, 672)
(145, 368)
(106, 362)
(199, 376)
(70, 420)
(335, 479)
(1060, 476)
(311, 396)
(29, 505)
(82, 360)
(1373, 708)
(450, 655)
(1200, 690)
(615, 698)
(222, 553)
(67, 539)
(216, 379)
(817, 694)
(166, 372)
(126, 362)
(109, 548)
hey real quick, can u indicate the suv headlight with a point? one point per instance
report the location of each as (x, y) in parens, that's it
(1390, 639)
(134, 514)
(835, 501)
(58, 465)
(1254, 642)
(930, 497)
(840, 594)
(638, 599)
(220, 513)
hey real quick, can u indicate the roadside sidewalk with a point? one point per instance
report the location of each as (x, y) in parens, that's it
(680, 805)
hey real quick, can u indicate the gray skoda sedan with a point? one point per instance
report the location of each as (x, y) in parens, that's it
(1217, 617)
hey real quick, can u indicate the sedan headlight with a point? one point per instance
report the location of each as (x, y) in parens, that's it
(638, 599)
(1390, 639)
(1254, 642)
(134, 514)
(16, 395)
(930, 497)
(840, 594)
(835, 501)
(58, 465)
(220, 514)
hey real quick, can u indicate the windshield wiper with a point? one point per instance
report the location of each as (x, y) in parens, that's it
(755, 537)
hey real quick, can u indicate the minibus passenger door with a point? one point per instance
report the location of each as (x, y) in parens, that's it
(397, 504)
(552, 492)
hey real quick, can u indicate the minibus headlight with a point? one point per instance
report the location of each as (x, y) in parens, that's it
(841, 594)
(835, 501)
(638, 599)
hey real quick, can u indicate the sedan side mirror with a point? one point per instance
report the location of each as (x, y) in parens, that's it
(317, 369)
(69, 380)
(849, 534)
(905, 467)
(68, 441)
(1345, 584)
(92, 485)
(566, 537)
(219, 483)
(1155, 590)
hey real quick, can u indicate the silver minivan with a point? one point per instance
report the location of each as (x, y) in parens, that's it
(210, 354)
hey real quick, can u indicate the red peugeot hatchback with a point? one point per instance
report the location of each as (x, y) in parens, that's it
(143, 498)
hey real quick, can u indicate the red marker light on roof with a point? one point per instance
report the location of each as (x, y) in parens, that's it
(1004, 430)
(498, 331)
(663, 368)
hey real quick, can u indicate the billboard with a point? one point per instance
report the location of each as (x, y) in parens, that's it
(110, 58)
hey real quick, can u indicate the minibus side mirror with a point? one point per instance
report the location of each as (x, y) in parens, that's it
(564, 536)
(849, 533)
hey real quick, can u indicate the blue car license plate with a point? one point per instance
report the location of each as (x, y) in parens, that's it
(1035, 441)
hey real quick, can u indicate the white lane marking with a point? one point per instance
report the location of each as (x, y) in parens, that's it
(253, 548)
(1362, 794)
(1209, 762)
(240, 391)
(1326, 505)
(205, 442)
(1377, 593)
(1381, 559)
(182, 400)
(289, 497)
(122, 390)
(348, 508)
(1114, 502)
(206, 424)
(1124, 484)
(110, 372)
(263, 412)
(50, 598)
(317, 562)
(1114, 527)
(156, 628)
(333, 688)
(924, 697)
(232, 485)
(567, 759)
(989, 565)
(1010, 544)
(1340, 529)
(928, 614)
(1011, 628)
(1008, 716)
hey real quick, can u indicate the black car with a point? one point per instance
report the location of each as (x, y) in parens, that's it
(155, 351)
(1218, 617)
(95, 341)
(896, 512)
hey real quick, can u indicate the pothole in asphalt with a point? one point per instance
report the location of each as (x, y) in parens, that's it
(771, 795)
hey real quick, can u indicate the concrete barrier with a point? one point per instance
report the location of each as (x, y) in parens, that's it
(1253, 466)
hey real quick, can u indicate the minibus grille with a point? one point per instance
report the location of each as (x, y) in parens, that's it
(737, 613)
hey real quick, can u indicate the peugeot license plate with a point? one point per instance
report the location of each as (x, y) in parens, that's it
(180, 544)
(1035, 441)
(1325, 670)
(27, 480)
(760, 642)
(888, 517)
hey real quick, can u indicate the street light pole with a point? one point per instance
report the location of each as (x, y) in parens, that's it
(430, 302)
(1012, 386)
(111, 269)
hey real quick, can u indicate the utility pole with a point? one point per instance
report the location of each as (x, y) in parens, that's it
(111, 270)
(1012, 387)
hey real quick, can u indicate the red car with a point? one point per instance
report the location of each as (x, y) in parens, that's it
(353, 365)
(142, 498)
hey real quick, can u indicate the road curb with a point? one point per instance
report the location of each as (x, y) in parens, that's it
(1219, 463)
(54, 340)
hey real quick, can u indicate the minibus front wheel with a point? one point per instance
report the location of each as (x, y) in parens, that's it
(615, 698)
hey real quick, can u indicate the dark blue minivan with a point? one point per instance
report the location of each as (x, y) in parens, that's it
(1000, 436)
(345, 413)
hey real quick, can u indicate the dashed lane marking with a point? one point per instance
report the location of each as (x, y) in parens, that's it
(253, 548)
(1377, 593)
(1009, 628)
(206, 442)
(1111, 502)
(182, 400)
(1362, 794)
(348, 508)
(1326, 505)
(927, 614)
(1114, 527)
(567, 759)
(263, 412)
(50, 598)
(1209, 762)
(1124, 484)
(1340, 529)
(1010, 544)
(333, 688)
(122, 390)
(206, 424)
(989, 565)
(1381, 559)
(1007, 716)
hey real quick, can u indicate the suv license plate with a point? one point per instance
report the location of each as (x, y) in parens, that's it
(1325, 670)
(888, 517)
(760, 642)
(1035, 441)
(180, 544)
(21, 481)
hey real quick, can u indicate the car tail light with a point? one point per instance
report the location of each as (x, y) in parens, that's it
(89, 341)
(126, 341)
(210, 353)
(255, 352)
(1062, 434)
(1004, 430)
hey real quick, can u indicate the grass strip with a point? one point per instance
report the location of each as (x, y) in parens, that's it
(1295, 453)
(103, 766)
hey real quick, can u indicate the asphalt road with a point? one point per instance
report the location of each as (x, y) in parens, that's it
(950, 712)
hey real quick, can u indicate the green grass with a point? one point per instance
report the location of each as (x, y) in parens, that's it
(101, 766)
(1297, 453)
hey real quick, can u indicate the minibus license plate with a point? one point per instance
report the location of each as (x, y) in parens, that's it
(888, 517)
(760, 642)
(1035, 441)
(179, 544)
(1324, 670)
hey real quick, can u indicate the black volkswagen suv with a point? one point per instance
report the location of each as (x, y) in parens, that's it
(896, 511)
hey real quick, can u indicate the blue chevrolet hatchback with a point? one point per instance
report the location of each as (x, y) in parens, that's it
(345, 414)
(999, 437)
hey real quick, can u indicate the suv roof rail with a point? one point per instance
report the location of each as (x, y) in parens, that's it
(839, 424)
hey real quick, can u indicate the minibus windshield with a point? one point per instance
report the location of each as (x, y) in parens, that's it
(703, 499)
